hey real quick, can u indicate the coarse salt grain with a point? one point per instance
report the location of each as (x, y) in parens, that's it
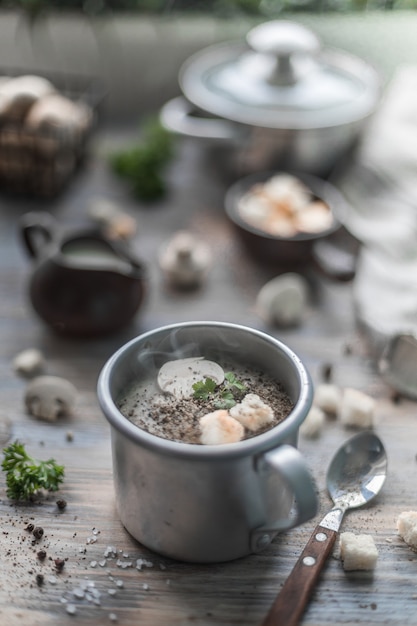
(110, 551)
(143, 563)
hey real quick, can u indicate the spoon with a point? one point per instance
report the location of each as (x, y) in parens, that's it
(355, 476)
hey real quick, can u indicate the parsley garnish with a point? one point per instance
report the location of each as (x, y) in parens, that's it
(224, 395)
(203, 389)
(25, 476)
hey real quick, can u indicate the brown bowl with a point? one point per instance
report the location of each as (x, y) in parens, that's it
(290, 252)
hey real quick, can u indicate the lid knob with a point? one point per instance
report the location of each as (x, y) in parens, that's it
(285, 41)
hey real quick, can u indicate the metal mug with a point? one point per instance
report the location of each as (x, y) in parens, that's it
(208, 503)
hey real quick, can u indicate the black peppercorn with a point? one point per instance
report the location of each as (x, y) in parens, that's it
(59, 564)
(327, 372)
(38, 532)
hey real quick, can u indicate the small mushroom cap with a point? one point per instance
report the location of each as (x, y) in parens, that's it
(49, 397)
(18, 94)
(178, 377)
(116, 223)
(30, 362)
(283, 299)
(55, 112)
(185, 259)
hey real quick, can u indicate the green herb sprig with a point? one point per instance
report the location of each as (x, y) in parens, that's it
(142, 165)
(203, 389)
(26, 476)
(224, 395)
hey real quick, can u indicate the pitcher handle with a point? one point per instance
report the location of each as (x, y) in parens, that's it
(289, 463)
(36, 230)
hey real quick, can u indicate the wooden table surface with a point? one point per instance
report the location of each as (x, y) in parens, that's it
(174, 593)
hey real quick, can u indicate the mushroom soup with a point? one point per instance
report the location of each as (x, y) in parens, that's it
(197, 401)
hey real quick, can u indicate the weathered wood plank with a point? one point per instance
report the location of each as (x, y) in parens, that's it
(169, 592)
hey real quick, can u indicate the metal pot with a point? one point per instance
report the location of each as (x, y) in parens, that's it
(278, 100)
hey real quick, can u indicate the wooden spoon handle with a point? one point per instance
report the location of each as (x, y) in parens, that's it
(291, 601)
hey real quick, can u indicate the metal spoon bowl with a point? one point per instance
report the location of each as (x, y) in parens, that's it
(357, 471)
(355, 476)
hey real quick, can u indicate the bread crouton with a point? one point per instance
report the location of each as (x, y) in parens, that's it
(357, 409)
(407, 528)
(313, 424)
(252, 412)
(328, 398)
(358, 552)
(219, 427)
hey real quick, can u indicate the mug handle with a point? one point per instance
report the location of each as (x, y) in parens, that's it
(289, 463)
(36, 230)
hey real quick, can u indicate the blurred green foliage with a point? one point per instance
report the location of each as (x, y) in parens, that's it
(142, 165)
(222, 8)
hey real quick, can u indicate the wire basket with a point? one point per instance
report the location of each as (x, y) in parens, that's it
(41, 163)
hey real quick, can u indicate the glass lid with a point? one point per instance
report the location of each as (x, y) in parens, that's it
(280, 78)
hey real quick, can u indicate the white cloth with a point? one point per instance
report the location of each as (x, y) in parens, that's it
(381, 187)
(381, 182)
